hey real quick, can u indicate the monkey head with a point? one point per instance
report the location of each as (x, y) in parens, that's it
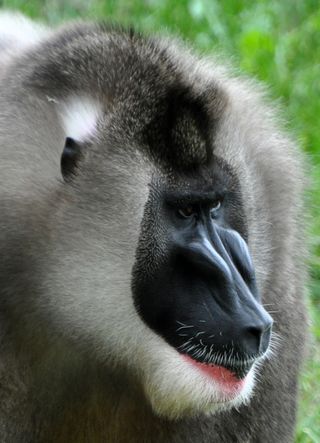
(149, 265)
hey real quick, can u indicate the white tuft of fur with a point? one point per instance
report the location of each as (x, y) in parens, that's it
(177, 389)
(80, 117)
(18, 31)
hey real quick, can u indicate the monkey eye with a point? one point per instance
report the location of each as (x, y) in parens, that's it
(215, 208)
(187, 211)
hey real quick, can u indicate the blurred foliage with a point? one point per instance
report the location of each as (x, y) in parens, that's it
(278, 42)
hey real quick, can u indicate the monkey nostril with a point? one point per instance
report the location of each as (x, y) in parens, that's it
(256, 338)
(253, 339)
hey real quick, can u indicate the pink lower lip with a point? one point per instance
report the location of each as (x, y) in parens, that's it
(226, 379)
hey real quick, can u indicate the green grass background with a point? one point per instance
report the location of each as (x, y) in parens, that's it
(276, 41)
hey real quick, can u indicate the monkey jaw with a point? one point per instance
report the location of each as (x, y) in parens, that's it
(178, 388)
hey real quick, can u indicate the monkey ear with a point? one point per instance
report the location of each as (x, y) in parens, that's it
(71, 155)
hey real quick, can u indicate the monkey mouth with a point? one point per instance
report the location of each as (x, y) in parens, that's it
(230, 377)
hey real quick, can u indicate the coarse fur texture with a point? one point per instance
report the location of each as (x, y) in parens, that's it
(77, 362)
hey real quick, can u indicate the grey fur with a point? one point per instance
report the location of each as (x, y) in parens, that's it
(76, 362)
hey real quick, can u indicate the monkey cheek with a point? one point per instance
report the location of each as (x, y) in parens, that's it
(177, 389)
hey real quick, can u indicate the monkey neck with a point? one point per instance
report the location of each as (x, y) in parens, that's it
(105, 418)
(77, 401)
(99, 411)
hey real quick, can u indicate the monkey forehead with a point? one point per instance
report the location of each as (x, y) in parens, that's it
(204, 183)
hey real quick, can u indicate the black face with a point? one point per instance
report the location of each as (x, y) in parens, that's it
(193, 280)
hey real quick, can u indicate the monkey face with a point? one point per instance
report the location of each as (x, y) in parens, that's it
(196, 286)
